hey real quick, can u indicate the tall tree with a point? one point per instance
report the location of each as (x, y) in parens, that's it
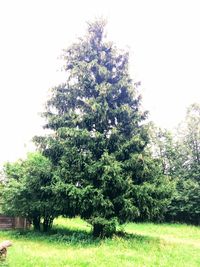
(98, 136)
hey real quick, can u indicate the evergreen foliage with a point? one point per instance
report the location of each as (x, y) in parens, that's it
(97, 145)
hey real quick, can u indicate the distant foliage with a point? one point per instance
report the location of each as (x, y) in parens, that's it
(186, 203)
(28, 191)
(180, 157)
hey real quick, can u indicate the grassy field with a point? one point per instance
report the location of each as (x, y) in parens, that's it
(71, 244)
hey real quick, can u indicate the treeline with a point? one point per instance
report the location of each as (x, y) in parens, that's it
(100, 160)
(179, 153)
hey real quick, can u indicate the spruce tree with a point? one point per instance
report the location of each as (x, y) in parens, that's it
(98, 136)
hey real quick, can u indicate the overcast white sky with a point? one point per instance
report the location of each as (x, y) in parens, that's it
(163, 35)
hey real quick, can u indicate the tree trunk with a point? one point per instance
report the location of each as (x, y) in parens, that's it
(98, 230)
(36, 223)
(47, 223)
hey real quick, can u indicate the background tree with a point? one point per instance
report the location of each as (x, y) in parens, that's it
(99, 138)
(1, 190)
(179, 154)
(190, 141)
(186, 203)
(28, 191)
(164, 148)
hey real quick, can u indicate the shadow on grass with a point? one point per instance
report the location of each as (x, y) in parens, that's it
(138, 238)
(77, 237)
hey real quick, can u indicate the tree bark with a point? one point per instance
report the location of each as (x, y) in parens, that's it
(36, 223)
(98, 230)
(47, 223)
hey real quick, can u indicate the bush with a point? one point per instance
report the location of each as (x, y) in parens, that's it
(103, 227)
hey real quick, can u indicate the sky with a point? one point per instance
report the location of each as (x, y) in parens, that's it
(162, 36)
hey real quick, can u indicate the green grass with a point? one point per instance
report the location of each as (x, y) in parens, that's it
(70, 244)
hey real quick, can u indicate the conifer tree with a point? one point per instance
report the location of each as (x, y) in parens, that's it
(98, 136)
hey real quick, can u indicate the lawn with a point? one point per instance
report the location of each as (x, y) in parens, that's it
(70, 244)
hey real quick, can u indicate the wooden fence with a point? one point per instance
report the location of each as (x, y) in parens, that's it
(7, 223)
